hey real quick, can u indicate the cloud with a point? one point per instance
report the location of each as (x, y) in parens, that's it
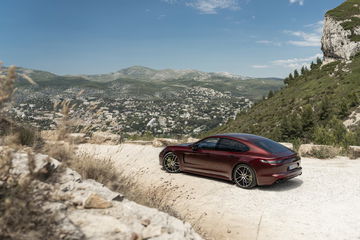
(308, 39)
(208, 6)
(268, 42)
(260, 66)
(211, 6)
(295, 63)
(300, 2)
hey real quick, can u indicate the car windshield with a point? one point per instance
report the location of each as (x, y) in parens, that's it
(272, 146)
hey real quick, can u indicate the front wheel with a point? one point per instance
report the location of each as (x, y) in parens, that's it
(244, 176)
(171, 163)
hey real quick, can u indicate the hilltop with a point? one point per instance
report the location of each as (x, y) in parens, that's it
(316, 101)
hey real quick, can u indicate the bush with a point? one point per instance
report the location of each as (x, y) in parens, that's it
(322, 152)
(101, 170)
(62, 152)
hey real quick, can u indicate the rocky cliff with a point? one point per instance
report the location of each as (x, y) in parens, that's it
(341, 36)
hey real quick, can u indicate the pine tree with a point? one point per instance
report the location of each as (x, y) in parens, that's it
(324, 109)
(271, 94)
(318, 61)
(308, 120)
(303, 70)
(312, 66)
(344, 109)
(296, 74)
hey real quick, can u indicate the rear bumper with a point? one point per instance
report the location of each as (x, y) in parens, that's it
(268, 179)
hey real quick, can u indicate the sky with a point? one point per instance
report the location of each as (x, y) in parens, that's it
(257, 38)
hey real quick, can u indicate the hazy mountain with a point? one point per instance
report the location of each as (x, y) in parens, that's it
(144, 73)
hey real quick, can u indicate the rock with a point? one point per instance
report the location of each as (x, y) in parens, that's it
(336, 43)
(145, 222)
(160, 142)
(96, 201)
(288, 145)
(105, 137)
(77, 138)
(311, 150)
(354, 152)
(153, 231)
(192, 140)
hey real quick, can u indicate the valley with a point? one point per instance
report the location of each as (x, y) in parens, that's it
(139, 102)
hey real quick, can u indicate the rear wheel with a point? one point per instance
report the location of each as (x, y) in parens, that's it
(244, 176)
(171, 163)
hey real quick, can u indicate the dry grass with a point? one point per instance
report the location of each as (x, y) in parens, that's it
(61, 151)
(21, 213)
(89, 167)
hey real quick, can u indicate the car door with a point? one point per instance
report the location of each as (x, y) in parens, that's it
(198, 159)
(228, 153)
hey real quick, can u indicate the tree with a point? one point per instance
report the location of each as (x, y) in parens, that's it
(312, 66)
(344, 109)
(296, 74)
(308, 120)
(291, 127)
(286, 81)
(318, 61)
(291, 77)
(324, 109)
(303, 70)
(271, 94)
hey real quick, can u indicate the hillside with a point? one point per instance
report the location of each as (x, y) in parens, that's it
(314, 104)
(139, 101)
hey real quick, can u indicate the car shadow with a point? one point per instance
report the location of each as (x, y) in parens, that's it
(277, 187)
(210, 178)
(282, 186)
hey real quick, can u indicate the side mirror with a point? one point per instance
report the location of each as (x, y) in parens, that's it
(194, 147)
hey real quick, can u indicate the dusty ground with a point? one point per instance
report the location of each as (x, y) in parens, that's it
(323, 203)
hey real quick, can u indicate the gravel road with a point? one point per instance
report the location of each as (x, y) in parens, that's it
(323, 203)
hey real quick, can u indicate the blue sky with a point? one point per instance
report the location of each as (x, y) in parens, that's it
(262, 38)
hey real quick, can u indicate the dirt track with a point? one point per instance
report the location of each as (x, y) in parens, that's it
(323, 203)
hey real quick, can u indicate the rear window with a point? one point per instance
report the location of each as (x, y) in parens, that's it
(272, 146)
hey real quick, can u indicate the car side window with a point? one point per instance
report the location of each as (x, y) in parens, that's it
(231, 145)
(209, 143)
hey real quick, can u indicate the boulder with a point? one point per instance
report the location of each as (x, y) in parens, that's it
(288, 145)
(96, 201)
(160, 142)
(77, 138)
(105, 138)
(319, 151)
(354, 152)
(192, 140)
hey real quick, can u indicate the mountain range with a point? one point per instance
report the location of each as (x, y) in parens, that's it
(138, 81)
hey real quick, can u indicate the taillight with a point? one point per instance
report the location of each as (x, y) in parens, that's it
(271, 162)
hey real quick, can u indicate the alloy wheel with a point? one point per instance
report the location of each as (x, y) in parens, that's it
(244, 176)
(171, 163)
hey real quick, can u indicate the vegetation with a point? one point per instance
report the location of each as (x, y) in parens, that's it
(311, 108)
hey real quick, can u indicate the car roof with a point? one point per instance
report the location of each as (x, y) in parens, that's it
(241, 136)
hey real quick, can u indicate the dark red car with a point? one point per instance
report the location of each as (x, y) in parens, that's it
(246, 159)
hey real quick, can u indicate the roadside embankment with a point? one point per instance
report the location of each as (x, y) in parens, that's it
(323, 203)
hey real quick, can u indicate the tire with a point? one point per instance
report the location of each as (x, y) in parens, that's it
(244, 176)
(171, 163)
